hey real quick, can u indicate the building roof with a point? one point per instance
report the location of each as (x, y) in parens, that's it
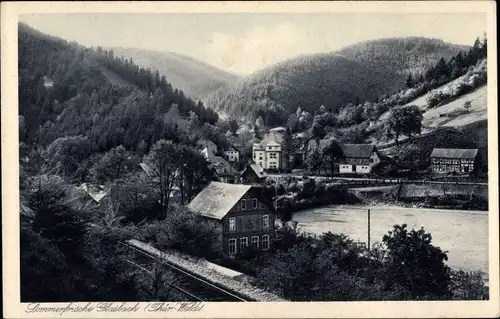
(257, 147)
(96, 192)
(259, 171)
(273, 143)
(146, 168)
(232, 148)
(454, 153)
(349, 150)
(217, 161)
(358, 150)
(278, 129)
(204, 143)
(217, 199)
(272, 136)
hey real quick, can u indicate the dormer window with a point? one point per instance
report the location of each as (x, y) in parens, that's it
(243, 204)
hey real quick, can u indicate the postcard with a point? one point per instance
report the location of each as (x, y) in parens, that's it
(250, 159)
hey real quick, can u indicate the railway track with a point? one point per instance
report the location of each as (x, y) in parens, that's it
(193, 286)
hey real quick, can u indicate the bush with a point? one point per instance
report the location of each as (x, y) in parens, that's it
(415, 264)
(186, 232)
(468, 286)
(437, 98)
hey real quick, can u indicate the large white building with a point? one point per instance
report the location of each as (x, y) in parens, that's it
(269, 152)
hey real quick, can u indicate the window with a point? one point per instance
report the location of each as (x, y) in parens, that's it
(232, 224)
(254, 203)
(243, 243)
(232, 246)
(371, 160)
(265, 242)
(255, 241)
(265, 221)
(243, 204)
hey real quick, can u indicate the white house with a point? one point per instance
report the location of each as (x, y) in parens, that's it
(48, 82)
(358, 158)
(273, 155)
(232, 154)
(269, 153)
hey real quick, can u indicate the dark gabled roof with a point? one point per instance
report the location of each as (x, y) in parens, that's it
(257, 169)
(217, 199)
(349, 150)
(233, 147)
(454, 153)
(358, 150)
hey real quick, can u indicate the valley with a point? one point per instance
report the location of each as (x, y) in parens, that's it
(195, 78)
(121, 144)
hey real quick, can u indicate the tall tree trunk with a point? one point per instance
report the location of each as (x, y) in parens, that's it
(181, 185)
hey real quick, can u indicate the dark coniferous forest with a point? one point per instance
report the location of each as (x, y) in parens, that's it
(108, 99)
(88, 117)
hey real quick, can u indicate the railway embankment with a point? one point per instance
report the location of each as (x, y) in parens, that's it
(202, 268)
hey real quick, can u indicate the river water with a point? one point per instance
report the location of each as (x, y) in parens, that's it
(464, 234)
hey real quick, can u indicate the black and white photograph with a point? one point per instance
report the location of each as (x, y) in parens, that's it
(171, 160)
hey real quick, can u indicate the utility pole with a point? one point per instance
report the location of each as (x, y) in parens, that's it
(368, 229)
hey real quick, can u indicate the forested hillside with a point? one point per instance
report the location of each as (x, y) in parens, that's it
(195, 78)
(359, 73)
(305, 82)
(403, 55)
(110, 100)
(104, 145)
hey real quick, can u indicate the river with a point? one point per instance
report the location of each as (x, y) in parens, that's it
(464, 234)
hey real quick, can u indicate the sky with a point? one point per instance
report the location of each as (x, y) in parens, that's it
(246, 42)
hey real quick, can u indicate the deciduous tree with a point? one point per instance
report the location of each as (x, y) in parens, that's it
(416, 264)
(405, 120)
(332, 152)
(163, 163)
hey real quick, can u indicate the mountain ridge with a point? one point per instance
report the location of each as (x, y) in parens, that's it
(335, 78)
(194, 77)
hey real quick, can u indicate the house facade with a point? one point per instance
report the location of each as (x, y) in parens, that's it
(232, 154)
(358, 158)
(269, 152)
(451, 160)
(242, 214)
